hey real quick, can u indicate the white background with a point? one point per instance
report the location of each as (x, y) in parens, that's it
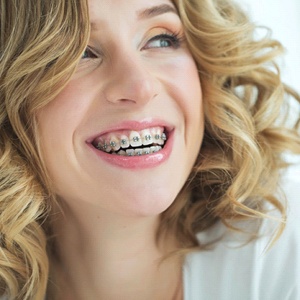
(283, 18)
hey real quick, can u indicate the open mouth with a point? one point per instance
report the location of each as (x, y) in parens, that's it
(132, 143)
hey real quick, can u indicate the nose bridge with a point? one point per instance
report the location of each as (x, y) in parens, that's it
(130, 79)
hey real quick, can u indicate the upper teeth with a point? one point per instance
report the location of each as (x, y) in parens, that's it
(115, 141)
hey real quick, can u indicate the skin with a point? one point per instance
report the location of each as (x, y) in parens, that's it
(106, 235)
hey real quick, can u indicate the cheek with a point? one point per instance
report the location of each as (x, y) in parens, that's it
(70, 104)
(57, 123)
(192, 106)
(182, 73)
(186, 88)
(193, 95)
(60, 117)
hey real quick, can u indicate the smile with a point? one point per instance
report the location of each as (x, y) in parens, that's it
(132, 143)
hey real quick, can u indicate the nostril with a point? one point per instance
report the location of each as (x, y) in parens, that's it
(125, 101)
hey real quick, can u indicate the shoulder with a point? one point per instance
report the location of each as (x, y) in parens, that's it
(232, 272)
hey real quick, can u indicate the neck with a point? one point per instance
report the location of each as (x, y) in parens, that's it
(106, 256)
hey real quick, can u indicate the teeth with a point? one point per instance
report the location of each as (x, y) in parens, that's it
(114, 143)
(124, 141)
(122, 153)
(106, 147)
(153, 149)
(157, 134)
(130, 152)
(135, 139)
(146, 150)
(146, 137)
(138, 152)
(118, 142)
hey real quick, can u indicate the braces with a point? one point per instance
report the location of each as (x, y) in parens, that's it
(139, 152)
(134, 139)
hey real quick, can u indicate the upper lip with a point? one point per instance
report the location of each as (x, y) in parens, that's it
(135, 126)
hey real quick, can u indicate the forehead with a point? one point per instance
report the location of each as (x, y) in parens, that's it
(114, 10)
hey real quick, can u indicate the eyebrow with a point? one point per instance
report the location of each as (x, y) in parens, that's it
(155, 11)
(147, 13)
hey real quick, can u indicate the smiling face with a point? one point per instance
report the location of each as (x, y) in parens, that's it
(124, 133)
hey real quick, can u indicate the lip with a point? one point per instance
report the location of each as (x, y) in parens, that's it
(136, 162)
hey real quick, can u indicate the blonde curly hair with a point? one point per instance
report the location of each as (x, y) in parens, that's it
(40, 43)
(245, 106)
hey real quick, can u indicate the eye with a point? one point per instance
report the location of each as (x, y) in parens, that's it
(164, 40)
(89, 53)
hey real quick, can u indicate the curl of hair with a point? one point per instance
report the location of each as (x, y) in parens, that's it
(239, 164)
(40, 43)
(236, 175)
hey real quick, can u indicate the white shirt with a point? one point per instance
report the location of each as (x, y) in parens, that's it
(234, 272)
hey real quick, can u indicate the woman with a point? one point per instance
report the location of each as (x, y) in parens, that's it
(132, 133)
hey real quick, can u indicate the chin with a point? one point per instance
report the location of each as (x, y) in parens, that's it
(149, 204)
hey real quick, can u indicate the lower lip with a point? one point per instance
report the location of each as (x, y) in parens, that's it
(138, 162)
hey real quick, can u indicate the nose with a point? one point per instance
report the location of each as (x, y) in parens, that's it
(130, 81)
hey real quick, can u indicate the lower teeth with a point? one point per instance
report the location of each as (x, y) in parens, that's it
(139, 151)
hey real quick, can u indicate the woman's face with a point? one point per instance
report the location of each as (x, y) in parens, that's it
(125, 132)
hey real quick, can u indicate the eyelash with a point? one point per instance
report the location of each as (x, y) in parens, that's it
(173, 38)
(89, 53)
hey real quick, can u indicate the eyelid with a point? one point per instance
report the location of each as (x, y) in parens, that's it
(176, 37)
(93, 51)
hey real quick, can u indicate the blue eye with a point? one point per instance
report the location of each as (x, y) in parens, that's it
(88, 53)
(164, 41)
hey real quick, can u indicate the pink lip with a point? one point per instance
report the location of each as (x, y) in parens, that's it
(136, 162)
